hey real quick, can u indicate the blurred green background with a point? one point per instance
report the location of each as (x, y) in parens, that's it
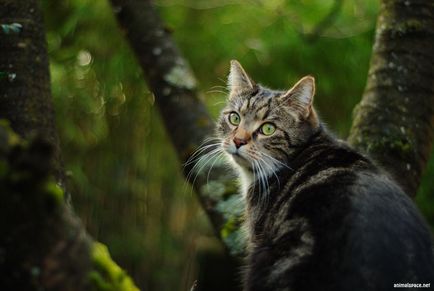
(126, 181)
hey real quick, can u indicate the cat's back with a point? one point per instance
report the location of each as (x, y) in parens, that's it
(367, 233)
(370, 234)
(388, 241)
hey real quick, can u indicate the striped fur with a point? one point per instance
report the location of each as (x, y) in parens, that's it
(320, 216)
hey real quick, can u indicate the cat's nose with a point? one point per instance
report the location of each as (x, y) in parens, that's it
(239, 142)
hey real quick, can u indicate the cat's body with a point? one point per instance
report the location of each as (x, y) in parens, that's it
(320, 216)
(335, 223)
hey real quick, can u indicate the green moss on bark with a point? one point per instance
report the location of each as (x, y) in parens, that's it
(54, 191)
(107, 275)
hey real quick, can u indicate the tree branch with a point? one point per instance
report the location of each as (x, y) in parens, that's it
(184, 115)
(394, 122)
(25, 94)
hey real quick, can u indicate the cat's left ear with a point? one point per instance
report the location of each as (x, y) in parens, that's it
(238, 80)
(300, 96)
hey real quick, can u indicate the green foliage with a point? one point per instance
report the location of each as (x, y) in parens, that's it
(127, 180)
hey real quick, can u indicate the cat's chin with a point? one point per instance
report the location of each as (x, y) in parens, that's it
(241, 161)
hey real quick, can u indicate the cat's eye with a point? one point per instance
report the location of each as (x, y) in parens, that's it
(267, 128)
(234, 118)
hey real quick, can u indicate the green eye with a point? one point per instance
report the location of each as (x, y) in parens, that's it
(234, 118)
(268, 128)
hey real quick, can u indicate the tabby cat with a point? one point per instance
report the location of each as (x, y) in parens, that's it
(320, 215)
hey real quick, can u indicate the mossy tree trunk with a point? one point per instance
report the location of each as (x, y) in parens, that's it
(25, 94)
(393, 123)
(43, 245)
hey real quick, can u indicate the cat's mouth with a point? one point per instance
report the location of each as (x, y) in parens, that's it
(238, 157)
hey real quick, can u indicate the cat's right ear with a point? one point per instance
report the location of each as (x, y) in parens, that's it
(238, 81)
(300, 96)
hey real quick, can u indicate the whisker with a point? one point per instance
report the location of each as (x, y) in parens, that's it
(199, 153)
(273, 172)
(208, 157)
(276, 161)
(265, 186)
(199, 160)
(216, 91)
(219, 102)
(202, 147)
(219, 86)
(219, 155)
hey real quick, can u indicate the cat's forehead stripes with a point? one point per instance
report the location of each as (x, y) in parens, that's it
(264, 110)
(259, 105)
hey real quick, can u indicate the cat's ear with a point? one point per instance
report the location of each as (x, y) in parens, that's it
(238, 80)
(300, 96)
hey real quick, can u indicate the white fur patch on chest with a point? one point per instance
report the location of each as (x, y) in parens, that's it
(246, 180)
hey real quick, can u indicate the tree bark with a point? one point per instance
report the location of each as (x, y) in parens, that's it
(394, 122)
(25, 96)
(43, 245)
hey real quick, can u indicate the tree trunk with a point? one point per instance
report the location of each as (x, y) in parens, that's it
(43, 245)
(394, 122)
(25, 96)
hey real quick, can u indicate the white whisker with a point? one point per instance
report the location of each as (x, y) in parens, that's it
(202, 147)
(199, 153)
(272, 169)
(218, 156)
(199, 165)
(274, 160)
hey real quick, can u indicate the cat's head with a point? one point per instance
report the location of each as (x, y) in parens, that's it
(261, 129)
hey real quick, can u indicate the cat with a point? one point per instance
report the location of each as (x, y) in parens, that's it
(319, 214)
